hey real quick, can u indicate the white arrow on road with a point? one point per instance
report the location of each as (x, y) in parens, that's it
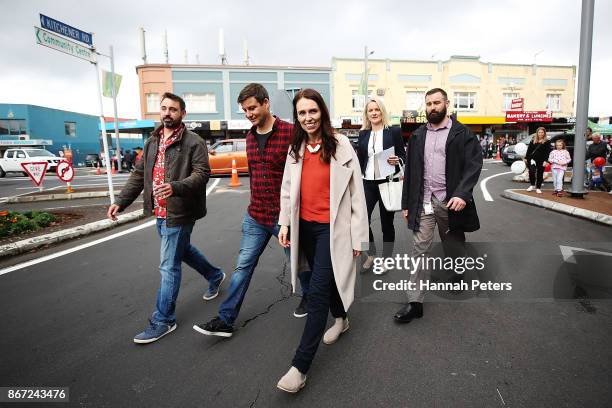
(483, 186)
(568, 253)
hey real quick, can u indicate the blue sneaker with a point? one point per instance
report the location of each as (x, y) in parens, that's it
(154, 332)
(213, 288)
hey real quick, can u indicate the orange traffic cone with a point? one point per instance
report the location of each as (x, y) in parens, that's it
(498, 157)
(235, 182)
(98, 172)
(113, 171)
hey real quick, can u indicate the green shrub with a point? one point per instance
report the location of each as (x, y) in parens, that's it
(14, 223)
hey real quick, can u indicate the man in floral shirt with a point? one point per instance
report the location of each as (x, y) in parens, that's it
(173, 173)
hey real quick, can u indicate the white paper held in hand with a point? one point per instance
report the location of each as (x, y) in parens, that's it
(384, 167)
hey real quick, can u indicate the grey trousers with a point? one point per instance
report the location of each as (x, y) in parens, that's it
(453, 243)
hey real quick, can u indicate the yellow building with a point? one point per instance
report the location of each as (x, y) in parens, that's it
(479, 92)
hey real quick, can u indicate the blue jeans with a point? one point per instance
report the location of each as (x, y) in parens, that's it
(175, 249)
(255, 237)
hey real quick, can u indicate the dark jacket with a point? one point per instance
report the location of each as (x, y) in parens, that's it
(391, 137)
(538, 152)
(595, 150)
(186, 169)
(463, 165)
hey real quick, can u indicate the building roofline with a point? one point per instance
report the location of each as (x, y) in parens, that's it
(455, 57)
(245, 67)
(47, 107)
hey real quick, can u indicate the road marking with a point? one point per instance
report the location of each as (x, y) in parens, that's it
(568, 253)
(89, 244)
(483, 186)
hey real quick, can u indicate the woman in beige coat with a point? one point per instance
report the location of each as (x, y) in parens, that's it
(323, 202)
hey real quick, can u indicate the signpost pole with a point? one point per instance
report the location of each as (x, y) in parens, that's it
(114, 93)
(103, 126)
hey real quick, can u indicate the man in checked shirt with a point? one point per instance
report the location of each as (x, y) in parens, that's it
(173, 173)
(267, 146)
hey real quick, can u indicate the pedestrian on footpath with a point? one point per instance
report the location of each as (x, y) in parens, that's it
(128, 160)
(443, 165)
(323, 202)
(535, 159)
(374, 137)
(598, 149)
(173, 173)
(267, 145)
(559, 159)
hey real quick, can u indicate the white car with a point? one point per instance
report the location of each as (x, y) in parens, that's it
(12, 159)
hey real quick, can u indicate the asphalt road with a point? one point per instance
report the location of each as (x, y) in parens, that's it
(69, 321)
(13, 184)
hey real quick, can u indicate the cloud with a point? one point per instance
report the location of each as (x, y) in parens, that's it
(289, 33)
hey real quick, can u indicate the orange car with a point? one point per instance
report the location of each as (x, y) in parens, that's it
(220, 156)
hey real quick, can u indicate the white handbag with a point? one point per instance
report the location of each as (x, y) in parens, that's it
(391, 190)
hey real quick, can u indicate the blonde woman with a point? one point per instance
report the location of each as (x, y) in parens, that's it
(537, 154)
(374, 137)
(322, 201)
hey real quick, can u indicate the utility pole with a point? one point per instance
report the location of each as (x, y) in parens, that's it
(582, 104)
(114, 93)
(366, 75)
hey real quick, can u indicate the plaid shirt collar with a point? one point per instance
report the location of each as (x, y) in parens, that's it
(177, 134)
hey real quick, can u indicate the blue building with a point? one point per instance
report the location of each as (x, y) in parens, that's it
(22, 124)
(210, 92)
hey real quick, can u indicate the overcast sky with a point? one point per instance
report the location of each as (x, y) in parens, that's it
(288, 33)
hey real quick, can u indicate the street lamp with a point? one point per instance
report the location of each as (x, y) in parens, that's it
(365, 69)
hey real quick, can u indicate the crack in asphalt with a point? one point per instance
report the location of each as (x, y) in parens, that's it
(256, 398)
(285, 290)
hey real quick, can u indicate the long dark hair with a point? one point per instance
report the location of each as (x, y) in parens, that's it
(328, 141)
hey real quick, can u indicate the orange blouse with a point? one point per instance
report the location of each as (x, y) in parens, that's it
(314, 188)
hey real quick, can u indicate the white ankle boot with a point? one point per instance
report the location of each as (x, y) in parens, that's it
(368, 262)
(333, 333)
(293, 381)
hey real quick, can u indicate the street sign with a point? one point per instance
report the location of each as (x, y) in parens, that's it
(48, 39)
(36, 171)
(65, 30)
(65, 171)
(517, 104)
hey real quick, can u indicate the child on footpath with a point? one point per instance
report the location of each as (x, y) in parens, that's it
(559, 159)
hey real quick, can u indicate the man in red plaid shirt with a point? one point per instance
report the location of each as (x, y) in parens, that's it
(267, 146)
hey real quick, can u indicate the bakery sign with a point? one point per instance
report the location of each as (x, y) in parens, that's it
(529, 116)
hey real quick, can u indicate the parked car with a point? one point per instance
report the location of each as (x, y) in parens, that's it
(92, 159)
(12, 159)
(509, 154)
(221, 154)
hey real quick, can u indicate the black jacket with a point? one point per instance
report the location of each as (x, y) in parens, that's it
(391, 137)
(186, 168)
(463, 165)
(595, 150)
(538, 152)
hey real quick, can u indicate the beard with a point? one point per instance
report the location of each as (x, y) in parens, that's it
(171, 124)
(435, 117)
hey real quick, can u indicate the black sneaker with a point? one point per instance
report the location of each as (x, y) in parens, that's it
(216, 327)
(300, 311)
